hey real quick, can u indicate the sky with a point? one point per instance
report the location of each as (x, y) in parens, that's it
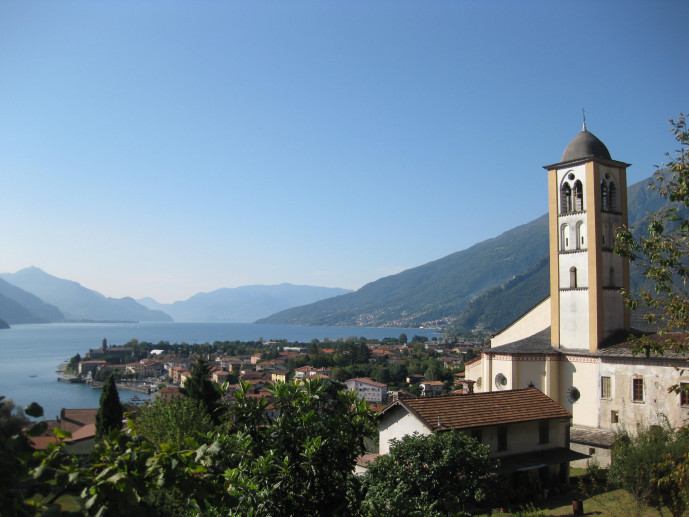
(166, 148)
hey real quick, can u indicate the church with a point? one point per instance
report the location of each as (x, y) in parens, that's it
(574, 346)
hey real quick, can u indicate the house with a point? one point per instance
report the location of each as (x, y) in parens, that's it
(168, 393)
(431, 388)
(220, 376)
(81, 423)
(279, 375)
(305, 372)
(526, 430)
(367, 389)
(86, 367)
(574, 345)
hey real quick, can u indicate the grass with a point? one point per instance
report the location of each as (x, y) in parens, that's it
(598, 500)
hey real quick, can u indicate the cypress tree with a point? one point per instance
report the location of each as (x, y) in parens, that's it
(109, 414)
(200, 387)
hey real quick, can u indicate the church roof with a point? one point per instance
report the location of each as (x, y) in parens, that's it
(539, 343)
(585, 145)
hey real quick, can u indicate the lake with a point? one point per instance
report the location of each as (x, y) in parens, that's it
(31, 354)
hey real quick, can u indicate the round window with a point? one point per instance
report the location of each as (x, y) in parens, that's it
(573, 394)
(500, 381)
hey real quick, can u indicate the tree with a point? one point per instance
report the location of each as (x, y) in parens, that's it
(662, 252)
(172, 421)
(646, 465)
(109, 414)
(403, 338)
(200, 388)
(437, 474)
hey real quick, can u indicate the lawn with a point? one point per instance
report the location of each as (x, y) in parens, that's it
(597, 500)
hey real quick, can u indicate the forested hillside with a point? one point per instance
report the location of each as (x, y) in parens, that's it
(488, 285)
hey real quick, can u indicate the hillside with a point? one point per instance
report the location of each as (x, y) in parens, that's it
(434, 293)
(78, 303)
(504, 276)
(242, 304)
(18, 306)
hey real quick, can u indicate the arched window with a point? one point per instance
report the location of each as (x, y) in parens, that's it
(578, 196)
(565, 198)
(564, 237)
(572, 277)
(612, 197)
(605, 202)
(581, 243)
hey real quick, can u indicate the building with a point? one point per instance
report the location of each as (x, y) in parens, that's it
(574, 346)
(367, 389)
(526, 430)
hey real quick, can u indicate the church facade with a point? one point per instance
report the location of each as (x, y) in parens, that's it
(574, 346)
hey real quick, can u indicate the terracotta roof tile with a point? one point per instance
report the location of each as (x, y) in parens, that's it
(484, 409)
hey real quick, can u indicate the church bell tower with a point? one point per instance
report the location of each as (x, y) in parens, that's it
(587, 198)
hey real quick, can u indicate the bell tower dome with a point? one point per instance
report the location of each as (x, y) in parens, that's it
(587, 198)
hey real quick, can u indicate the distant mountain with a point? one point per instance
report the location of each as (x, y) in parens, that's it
(79, 303)
(490, 284)
(18, 306)
(242, 304)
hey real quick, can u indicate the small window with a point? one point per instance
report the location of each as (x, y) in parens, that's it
(605, 388)
(684, 394)
(479, 382)
(573, 394)
(572, 277)
(543, 431)
(638, 390)
(614, 417)
(502, 437)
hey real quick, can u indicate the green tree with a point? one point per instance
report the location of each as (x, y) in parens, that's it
(432, 475)
(302, 462)
(200, 388)
(645, 465)
(662, 252)
(403, 338)
(172, 421)
(109, 414)
(383, 375)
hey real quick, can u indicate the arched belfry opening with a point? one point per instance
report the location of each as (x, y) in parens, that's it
(578, 196)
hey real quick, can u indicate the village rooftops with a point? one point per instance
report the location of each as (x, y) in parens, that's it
(482, 409)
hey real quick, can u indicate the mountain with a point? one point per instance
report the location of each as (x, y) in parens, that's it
(242, 304)
(490, 284)
(433, 293)
(18, 306)
(77, 302)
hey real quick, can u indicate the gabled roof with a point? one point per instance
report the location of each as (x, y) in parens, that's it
(367, 380)
(482, 409)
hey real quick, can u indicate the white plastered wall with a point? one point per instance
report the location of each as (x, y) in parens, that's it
(396, 423)
(531, 323)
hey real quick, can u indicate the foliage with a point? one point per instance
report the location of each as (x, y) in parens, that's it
(172, 421)
(301, 463)
(201, 389)
(109, 414)
(644, 465)
(662, 252)
(436, 474)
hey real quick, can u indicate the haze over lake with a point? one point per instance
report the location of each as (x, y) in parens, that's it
(31, 354)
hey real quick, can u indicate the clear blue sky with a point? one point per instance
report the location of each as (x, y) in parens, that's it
(166, 148)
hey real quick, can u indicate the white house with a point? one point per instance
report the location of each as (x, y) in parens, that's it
(367, 389)
(525, 429)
